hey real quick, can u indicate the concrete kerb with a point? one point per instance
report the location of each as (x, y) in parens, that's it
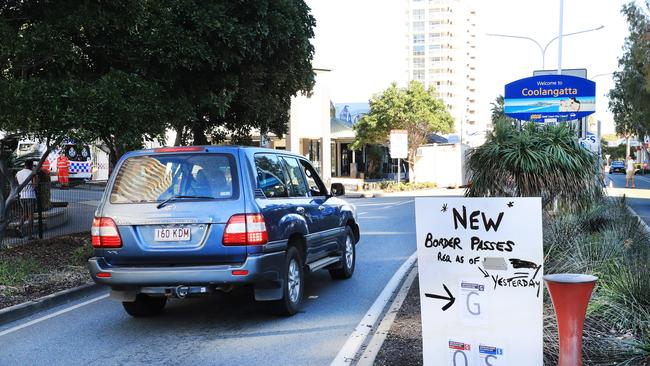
(32, 307)
(418, 193)
(358, 340)
(645, 226)
(377, 339)
(436, 192)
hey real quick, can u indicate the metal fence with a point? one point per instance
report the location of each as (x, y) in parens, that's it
(57, 211)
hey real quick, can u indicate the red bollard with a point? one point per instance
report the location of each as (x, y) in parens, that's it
(570, 294)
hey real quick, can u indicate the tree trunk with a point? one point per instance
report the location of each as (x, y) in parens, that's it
(178, 141)
(627, 148)
(411, 160)
(112, 158)
(199, 136)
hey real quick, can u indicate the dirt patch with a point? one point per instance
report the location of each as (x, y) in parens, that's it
(43, 267)
(403, 346)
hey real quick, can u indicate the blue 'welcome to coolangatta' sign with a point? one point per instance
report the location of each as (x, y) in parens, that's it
(550, 97)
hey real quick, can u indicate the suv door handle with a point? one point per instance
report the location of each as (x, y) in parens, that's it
(322, 208)
(300, 210)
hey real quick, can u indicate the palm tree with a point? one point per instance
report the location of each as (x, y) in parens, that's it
(540, 161)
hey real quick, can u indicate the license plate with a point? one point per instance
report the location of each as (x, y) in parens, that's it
(173, 234)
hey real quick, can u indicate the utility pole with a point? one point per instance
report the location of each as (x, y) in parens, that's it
(559, 52)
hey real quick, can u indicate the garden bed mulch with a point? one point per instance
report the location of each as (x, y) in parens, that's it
(43, 267)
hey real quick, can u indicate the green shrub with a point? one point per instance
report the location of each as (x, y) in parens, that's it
(607, 241)
(392, 186)
(81, 254)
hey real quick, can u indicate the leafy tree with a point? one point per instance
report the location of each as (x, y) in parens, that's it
(93, 51)
(123, 71)
(628, 100)
(413, 109)
(119, 112)
(45, 113)
(540, 161)
(235, 64)
(498, 111)
(610, 137)
(211, 70)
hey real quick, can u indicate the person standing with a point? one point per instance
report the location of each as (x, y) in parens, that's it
(27, 197)
(62, 170)
(629, 172)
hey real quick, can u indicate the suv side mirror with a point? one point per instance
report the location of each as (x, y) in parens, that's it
(337, 189)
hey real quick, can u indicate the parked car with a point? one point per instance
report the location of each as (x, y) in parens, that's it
(617, 166)
(188, 221)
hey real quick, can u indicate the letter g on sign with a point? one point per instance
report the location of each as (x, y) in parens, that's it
(476, 310)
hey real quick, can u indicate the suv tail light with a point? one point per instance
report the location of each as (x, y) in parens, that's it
(104, 233)
(245, 229)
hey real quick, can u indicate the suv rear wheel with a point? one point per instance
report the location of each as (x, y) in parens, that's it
(348, 258)
(145, 306)
(293, 285)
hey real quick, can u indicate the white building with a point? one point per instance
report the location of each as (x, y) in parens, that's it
(442, 52)
(317, 132)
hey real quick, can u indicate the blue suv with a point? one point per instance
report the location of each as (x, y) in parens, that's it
(188, 221)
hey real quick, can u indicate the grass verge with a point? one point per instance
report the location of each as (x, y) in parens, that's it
(43, 267)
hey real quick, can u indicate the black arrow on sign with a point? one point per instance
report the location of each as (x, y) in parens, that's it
(449, 298)
(485, 274)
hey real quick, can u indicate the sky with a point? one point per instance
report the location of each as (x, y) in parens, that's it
(364, 43)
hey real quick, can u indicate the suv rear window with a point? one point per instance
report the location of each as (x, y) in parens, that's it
(147, 179)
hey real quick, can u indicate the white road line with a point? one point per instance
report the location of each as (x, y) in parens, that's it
(373, 204)
(364, 233)
(50, 316)
(370, 353)
(401, 203)
(348, 353)
(642, 178)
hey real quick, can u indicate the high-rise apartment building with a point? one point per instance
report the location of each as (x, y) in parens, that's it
(442, 52)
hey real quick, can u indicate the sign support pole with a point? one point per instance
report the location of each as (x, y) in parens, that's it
(559, 52)
(398, 172)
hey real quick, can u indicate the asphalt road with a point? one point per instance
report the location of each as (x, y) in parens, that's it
(77, 216)
(640, 205)
(80, 211)
(228, 329)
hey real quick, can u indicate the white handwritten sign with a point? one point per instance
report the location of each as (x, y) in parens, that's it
(480, 269)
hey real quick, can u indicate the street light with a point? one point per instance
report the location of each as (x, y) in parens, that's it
(603, 74)
(543, 49)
